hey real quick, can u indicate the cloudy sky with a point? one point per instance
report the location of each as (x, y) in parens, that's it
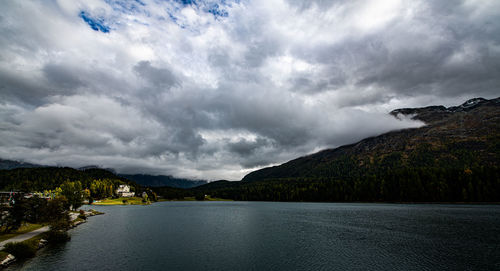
(215, 89)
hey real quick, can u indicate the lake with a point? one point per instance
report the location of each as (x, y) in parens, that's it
(280, 236)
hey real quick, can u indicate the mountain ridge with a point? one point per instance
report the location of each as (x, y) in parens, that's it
(470, 123)
(13, 164)
(452, 158)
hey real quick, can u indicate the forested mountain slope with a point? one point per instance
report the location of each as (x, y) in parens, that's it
(459, 137)
(454, 157)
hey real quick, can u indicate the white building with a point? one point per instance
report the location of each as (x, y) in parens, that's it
(124, 191)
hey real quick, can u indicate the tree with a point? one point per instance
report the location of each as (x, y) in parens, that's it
(200, 196)
(35, 209)
(74, 193)
(86, 193)
(100, 189)
(57, 209)
(58, 217)
(58, 229)
(14, 215)
(151, 194)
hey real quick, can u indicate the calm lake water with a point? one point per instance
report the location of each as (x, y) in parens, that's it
(280, 236)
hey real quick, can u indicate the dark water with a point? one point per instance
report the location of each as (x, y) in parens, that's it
(280, 236)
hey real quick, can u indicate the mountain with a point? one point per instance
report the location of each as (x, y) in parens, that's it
(97, 167)
(161, 180)
(454, 157)
(456, 137)
(10, 164)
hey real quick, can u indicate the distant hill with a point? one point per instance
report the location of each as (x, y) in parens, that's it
(10, 164)
(16, 175)
(47, 178)
(161, 180)
(97, 167)
(454, 157)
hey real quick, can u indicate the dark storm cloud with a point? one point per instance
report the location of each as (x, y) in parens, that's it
(20, 88)
(448, 50)
(212, 96)
(245, 147)
(323, 4)
(159, 77)
(62, 77)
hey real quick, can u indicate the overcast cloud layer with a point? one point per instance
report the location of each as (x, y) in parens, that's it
(215, 89)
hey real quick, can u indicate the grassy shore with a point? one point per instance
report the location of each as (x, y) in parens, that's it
(138, 201)
(208, 198)
(121, 201)
(27, 227)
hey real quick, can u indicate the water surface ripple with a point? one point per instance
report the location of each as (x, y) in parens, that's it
(280, 236)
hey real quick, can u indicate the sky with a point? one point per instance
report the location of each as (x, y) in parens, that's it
(216, 89)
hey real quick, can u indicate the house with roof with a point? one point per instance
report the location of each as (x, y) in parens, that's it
(123, 190)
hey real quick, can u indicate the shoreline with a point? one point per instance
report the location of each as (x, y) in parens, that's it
(39, 238)
(120, 201)
(344, 202)
(138, 201)
(367, 202)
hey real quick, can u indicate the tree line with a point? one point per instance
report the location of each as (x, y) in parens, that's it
(48, 178)
(423, 184)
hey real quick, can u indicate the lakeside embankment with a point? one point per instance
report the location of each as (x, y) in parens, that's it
(140, 201)
(121, 201)
(207, 198)
(28, 239)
